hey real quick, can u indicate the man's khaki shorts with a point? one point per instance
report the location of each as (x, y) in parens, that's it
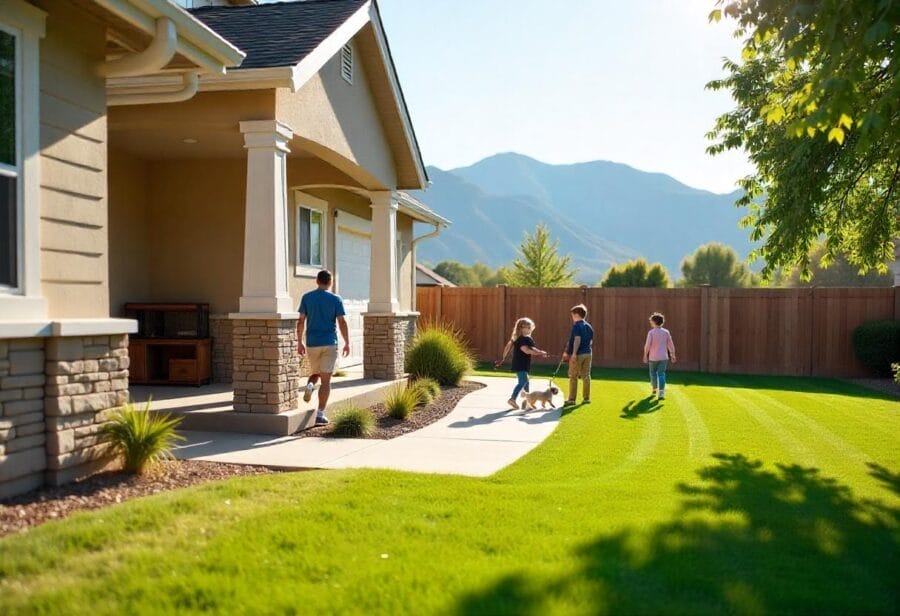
(323, 359)
(582, 366)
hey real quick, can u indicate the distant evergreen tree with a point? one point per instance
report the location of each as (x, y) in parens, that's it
(539, 263)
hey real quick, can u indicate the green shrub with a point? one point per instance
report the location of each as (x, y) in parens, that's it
(440, 353)
(896, 369)
(141, 437)
(353, 422)
(426, 389)
(401, 401)
(877, 345)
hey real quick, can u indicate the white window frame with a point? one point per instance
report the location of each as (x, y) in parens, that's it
(27, 23)
(308, 202)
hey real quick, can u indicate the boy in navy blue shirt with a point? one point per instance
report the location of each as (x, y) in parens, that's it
(579, 354)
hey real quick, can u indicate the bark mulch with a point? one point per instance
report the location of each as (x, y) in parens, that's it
(387, 427)
(109, 488)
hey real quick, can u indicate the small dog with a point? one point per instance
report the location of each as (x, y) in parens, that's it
(545, 397)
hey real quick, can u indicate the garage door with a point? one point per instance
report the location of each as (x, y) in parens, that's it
(353, 262)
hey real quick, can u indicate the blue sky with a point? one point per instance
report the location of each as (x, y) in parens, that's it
(566, 81)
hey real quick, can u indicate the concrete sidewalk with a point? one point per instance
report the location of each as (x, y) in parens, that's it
(478, 438)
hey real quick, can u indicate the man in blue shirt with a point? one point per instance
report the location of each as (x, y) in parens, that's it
(321, 311)
(579, 353)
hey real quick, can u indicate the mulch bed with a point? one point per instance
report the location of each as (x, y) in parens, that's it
(887, 386)
(387, 427)
(109, 488)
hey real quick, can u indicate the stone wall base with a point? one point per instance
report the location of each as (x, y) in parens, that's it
(385, 339)
(55, 394)
(220, 330)
(266, 373)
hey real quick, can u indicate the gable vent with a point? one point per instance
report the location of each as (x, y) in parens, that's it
(347, 63)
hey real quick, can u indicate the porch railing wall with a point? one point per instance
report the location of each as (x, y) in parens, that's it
(803, 332)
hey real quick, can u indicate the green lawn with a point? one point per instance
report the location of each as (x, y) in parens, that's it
(737, 494)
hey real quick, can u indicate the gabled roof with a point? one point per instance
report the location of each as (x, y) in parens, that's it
(287, 43)
(280, 33)
(437, 278)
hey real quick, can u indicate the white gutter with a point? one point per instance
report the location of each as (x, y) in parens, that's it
(152, 60)
(190, 84)
(196, 41)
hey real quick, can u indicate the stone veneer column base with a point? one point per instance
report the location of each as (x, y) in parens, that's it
(385, 339)
(266, 365)
(220, 330)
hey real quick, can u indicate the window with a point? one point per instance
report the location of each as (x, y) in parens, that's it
(310, 233)
(347, 63)
(10, 167)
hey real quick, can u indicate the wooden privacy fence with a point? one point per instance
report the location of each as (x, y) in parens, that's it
(805, 332)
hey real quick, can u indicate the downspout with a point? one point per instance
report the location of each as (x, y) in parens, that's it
(157, 54)
(412, 249)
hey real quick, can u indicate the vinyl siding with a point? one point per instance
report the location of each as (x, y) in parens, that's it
(74, 236)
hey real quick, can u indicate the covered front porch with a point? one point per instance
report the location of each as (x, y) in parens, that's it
(207, 207)
(210, 408)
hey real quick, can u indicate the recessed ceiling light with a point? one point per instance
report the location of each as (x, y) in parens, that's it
(189, 140)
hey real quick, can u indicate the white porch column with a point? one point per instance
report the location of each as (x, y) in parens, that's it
(383, 276)
(265, 288)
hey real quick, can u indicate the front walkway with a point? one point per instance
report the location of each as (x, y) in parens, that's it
(478, 438)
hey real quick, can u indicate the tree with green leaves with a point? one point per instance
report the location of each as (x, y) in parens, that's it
(457, 273)
(539, 263)
(817, 89)
(636, 273)
(835, 273)
(716, 265)
(486, 276)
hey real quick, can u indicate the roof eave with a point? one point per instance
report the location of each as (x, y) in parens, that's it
(196, 42)
(417, 210)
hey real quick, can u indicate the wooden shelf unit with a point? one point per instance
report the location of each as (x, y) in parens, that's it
(172, 346)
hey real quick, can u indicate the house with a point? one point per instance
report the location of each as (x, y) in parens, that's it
(427, 277)
(222, 154)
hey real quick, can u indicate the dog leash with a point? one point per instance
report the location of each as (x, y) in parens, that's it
(558, 366)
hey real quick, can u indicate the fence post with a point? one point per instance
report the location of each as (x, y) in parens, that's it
(704, 328)
(504, 332)
(439, 312)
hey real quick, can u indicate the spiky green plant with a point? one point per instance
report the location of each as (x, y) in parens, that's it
(141, 437)
(353, 422)
(426, 389)
(401, 401)
(439, 351)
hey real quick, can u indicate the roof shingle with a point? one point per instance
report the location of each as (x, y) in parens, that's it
(277, 34)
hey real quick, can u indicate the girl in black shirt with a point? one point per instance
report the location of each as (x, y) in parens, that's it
(522, 345)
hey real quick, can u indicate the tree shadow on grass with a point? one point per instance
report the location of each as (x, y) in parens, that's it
(636, 408)
(746, 539)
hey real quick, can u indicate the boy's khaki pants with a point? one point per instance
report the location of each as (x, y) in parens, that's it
(580, 369)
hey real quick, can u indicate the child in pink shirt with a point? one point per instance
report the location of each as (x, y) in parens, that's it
(658, 350)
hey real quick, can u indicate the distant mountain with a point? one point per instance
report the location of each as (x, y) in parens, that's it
(602, 212)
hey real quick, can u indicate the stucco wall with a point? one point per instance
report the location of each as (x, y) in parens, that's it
(337, 116)
(197, 232)
(74, 271)
(129, 230)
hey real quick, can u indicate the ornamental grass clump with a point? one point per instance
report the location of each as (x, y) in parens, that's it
(353, 422)
(402, 401)
(141, 437)
(439, 352)
(426, 390)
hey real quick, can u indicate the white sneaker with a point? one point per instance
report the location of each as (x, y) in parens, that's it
(308, 391)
